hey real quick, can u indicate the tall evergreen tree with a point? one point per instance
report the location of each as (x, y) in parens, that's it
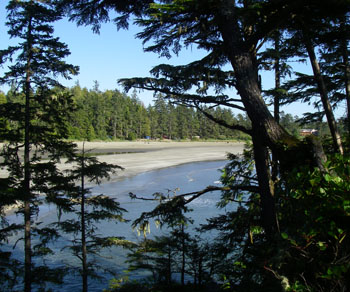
(89, 210)
(232, 32)
(160, 105)
(334, 60)
(40, 117)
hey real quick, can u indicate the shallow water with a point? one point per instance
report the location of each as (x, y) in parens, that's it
(185, 178)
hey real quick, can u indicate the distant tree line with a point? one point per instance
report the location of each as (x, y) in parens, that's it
(113, 115)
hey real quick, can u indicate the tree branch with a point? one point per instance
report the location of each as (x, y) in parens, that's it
(197, 194)
(224, 124)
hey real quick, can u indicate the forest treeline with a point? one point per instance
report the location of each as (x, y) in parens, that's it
(113, 115)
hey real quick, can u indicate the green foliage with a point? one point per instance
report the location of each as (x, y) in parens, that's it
(126, 285)
(311, 252)
(113, 115)
(33, 126)
(313, 212)
(89, 210)
(317, 234)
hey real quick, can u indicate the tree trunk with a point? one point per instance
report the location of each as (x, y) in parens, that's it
(183, 255)
(83, 227)
(345, 55)
(266, 187)
(324, 95)
(276, 99)
(267, 131)
(27, 201)
(27, 174)
(243, 61)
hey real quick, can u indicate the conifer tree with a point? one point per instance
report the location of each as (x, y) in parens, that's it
(334, 61)
(39, 118)
(89, 210)
(232, 33)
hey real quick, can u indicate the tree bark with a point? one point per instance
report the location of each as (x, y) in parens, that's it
(244, 64)
(266, 187)
(266, 130)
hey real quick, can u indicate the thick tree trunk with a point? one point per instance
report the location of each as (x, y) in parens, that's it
(324, 95)
(244, 64)
(266, 187)
(241, 55)
(267, 131)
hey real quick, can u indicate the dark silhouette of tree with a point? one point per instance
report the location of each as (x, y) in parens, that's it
(39, 116)
(89, 210)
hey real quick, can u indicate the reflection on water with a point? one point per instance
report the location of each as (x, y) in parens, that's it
(184, 178)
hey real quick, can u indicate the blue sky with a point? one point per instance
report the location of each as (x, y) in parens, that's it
(105, 57)
(113, 54)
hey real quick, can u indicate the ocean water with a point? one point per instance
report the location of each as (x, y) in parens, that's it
(180, 179)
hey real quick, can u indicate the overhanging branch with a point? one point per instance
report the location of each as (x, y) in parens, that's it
(197, 194)
(224, 124)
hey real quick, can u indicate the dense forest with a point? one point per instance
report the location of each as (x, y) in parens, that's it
(112, 115)
(286, 199)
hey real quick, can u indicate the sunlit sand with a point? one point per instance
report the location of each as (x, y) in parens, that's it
(141, 156)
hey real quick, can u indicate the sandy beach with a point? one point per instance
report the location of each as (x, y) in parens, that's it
(141, 156)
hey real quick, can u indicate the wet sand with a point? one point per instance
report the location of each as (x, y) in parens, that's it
(141, 156)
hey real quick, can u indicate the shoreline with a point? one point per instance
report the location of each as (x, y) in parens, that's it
(140, 157)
